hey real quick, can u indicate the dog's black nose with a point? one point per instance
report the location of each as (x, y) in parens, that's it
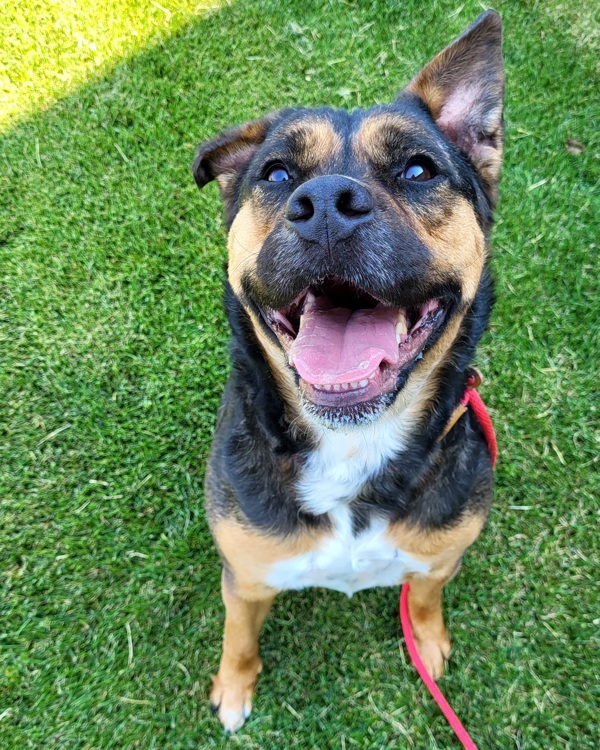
(329, 208)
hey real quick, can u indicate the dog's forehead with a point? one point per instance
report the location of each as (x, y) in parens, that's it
(318, 136)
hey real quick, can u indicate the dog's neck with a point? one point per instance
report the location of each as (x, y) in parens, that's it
(344, 460)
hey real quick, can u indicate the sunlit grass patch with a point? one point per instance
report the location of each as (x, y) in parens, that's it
(48, 47)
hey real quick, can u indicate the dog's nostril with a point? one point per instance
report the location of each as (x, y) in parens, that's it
(301, 209)
(351, 205)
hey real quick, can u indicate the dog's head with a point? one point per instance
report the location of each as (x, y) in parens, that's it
(358, 239)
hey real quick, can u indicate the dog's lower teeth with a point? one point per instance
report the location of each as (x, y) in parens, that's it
(337, 387)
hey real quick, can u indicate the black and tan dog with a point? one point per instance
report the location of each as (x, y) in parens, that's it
(358, 290)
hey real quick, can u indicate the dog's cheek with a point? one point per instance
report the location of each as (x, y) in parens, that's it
(457, 245)
(248, 232)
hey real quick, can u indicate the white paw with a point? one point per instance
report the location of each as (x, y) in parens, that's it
(231, 704)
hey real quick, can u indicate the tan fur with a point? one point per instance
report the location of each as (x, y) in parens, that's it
(490, 163)
(369, 142)
(457, 246)
(456, 415)
(240, 665)
(426, 88)
(249, 554)
(246, 236)
(442, 551)
(319, 143)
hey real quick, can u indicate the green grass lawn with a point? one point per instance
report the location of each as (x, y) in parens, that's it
(113, 357)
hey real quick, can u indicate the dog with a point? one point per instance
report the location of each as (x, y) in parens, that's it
(358, 288)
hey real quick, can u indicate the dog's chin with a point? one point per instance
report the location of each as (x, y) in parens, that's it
(344, 416)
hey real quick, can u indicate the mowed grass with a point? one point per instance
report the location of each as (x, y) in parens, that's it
(113, 351)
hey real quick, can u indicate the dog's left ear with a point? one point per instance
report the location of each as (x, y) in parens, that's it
(225, 157)
(463, 87)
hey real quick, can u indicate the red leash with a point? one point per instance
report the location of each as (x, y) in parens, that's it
(472, 399)
(436, 693)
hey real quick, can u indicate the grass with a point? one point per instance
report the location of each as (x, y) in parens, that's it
(113, 356)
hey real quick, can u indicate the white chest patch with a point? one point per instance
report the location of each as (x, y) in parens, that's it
(347, 563)
(340, 465)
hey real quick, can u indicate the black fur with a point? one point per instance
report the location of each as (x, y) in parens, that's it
(256, 455)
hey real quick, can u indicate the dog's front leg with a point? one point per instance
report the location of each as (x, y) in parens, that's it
(233, 686)
(425, 610)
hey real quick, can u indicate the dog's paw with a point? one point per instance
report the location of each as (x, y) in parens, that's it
(231, 705)
(434, 650)
(232, 701)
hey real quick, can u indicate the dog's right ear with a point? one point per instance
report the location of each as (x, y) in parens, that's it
(225, 157)
(463, 88)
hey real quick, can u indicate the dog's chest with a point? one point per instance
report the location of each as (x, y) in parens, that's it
(337, 469)
(346, 562)
(333, 475)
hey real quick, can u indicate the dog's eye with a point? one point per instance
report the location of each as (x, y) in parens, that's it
(277, 173)
(418, 171)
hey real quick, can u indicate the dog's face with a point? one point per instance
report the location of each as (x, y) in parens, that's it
(357, 240)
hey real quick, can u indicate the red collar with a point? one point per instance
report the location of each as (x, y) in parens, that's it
(473, 399)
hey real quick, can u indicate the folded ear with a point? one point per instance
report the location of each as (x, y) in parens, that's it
(463, 87)
(224, 157)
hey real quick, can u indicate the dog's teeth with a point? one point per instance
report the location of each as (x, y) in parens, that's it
(401, 328)
(309, 301)
(419, 356)
(337, 387)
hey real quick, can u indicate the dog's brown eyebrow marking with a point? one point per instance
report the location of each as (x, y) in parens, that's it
(377, 131)
(315, 142)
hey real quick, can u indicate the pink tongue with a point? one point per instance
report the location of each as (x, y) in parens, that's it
(336, 345)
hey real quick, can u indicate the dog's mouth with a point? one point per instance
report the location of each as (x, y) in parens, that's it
(349, 348)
